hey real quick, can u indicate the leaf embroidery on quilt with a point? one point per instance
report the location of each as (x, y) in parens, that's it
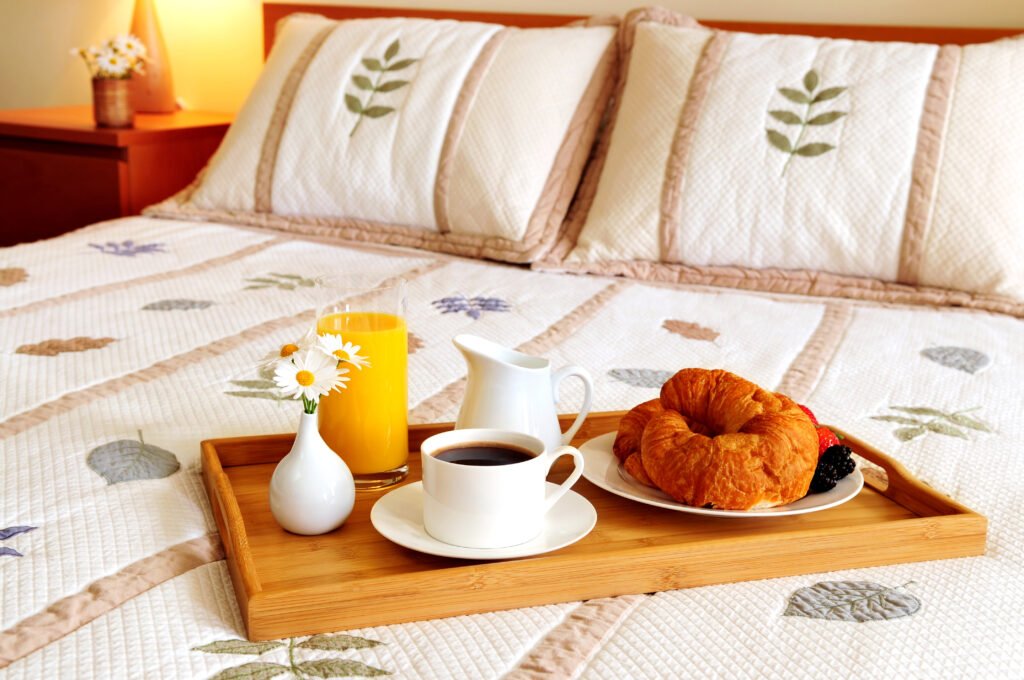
(51, 348)
(12, 275)
(473, 307)
(281, 281)
(178, 303)
(961, 358)
(690, 330)
(11, 532)
(808, 97)
(128, 248)
(415, 343)
(858, 601)
(380, 68)
(127, 460)
(641, 377)
(263, 388)
(313, 668)
(929, 419)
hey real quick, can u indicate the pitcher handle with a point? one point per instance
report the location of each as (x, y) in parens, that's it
(588, 394)
(577, 471)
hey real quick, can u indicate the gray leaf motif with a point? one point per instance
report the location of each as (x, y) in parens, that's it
(943, 428)
(238, 647)
(641, 377)
(905, 434)
(256, 670)
(126, 460)
(961, 358)
(336, 643)
(11, 532)
(966, 421)
(175, 304)
(858, 601)
(338, 668)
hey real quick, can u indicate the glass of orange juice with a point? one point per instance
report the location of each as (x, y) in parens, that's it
(367, 423)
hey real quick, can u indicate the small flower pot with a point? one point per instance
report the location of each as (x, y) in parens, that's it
(111, 103)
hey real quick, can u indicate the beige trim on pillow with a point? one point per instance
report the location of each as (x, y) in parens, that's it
(457, 123)
(921, 200)
(275, 128)
(794, 282)
(689, 117)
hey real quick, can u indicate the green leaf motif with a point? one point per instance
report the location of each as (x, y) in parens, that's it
(787, 117)
(811, 150)
(942, 428)
(338, 668)
(255, 384)
(967, 421)
(338, 642)
(377, 111)
(127, 460)
(828, 93)
(794, 95)
(257, 670)
(362, 82)
(856, 601)
(919, 410)
(811, 80)
(373, 64)
(402, 64)
(902, 420)
(905, 434)
(392, 51)
(392, 85)
(238, 647)
(257, 394)
(353, 104)
(779, 140)
(826, 118)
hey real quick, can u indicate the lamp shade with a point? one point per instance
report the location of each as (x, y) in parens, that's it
(153, 91)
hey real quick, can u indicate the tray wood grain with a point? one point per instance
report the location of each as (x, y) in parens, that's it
(289, 585)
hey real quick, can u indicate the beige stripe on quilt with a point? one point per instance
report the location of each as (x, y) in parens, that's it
(456, 124)
(262, 201)
(675, 170)
(805, 372)
(433, 408)
(152, 278)
(72, 400)
(569, 646)
(71, 613)
(925, 176)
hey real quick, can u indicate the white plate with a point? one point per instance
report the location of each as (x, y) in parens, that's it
(603, 469)
(398, 517)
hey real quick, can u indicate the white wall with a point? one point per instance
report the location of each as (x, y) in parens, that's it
(216, 45)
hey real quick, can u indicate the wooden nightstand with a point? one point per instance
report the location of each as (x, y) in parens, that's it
(58, 171)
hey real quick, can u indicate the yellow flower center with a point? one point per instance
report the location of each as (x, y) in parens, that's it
(304, 378)
(289, 349)
(340, 355)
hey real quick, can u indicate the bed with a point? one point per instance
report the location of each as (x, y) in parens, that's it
(140, 337)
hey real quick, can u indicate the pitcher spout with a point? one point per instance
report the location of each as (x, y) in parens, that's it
(478, 352)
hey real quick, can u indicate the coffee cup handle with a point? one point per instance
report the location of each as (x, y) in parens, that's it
(577, 471)
(588, 394)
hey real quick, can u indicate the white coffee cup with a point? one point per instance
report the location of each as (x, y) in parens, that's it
(490, 506)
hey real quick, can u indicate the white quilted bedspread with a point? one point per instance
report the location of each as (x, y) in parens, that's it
(148, 329)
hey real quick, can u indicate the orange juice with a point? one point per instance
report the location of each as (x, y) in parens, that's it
(366, 424)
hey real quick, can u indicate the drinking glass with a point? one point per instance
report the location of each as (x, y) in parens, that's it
(367, 423)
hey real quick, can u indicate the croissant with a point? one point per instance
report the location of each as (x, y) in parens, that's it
(717, 440)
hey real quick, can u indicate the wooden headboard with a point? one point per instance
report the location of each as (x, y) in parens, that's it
(274, 11)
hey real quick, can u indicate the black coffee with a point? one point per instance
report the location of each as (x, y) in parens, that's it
(484, 454)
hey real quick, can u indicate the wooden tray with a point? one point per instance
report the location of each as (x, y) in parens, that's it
(289, 585)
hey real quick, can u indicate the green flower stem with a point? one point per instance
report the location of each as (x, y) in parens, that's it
(799, 137)
(369, 102)
(308, 406)
(291, 658)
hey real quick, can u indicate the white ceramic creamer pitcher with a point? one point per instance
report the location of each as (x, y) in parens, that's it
(509, 390)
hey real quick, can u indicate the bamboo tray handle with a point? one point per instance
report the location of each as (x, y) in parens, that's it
(236, 543)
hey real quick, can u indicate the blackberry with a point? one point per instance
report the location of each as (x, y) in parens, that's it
(834, 464)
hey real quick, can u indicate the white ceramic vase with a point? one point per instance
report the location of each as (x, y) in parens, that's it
(312, 490)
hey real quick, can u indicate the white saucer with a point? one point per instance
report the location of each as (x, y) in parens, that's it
(603, 469)
(398, 516)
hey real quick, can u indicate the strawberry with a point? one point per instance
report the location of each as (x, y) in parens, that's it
(826, 438)
(808, 412)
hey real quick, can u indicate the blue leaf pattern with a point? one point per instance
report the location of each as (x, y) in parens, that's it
(128, 248)
(473, 307)
(11, 532)
(10, 552)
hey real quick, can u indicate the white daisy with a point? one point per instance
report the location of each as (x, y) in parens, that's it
(129, 46)
(307, 341)
(333, 346)
(309, 375)
(112, 65)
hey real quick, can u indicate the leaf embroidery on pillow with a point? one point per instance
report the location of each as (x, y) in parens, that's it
(51, 348)
(12, 275)
(324, 667)
(920, 420)
(128, 460)
(281, 281)
(177, 304)
(857, 601)
(380, 69)
(961, 358)
(641, 377)
(128, 248)
(690, 330)
(809, 97)
(473, 307)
